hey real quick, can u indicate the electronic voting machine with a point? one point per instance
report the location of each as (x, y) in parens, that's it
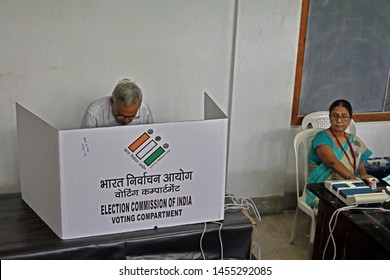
(355, 192)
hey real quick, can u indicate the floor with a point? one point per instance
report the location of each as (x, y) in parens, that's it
(271, 237)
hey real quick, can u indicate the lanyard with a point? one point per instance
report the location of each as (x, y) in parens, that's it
(345, 153)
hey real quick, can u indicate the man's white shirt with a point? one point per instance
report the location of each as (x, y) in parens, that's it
(99, 114)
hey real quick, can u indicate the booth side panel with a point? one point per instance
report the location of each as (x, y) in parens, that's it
(39, 170)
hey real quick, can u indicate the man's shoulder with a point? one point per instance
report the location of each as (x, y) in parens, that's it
(144, 105)
(101, 101)
(99, 104)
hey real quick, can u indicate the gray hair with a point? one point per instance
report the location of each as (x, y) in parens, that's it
(127, 92)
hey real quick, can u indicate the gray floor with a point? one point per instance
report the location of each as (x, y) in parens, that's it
(271, 237)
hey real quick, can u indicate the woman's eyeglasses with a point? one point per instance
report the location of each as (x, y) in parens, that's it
(336, 117)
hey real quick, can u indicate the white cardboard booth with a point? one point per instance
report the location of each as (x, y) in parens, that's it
(86, 182)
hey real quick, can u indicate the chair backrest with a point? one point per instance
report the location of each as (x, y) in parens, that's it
(302, 146)
(320, 119)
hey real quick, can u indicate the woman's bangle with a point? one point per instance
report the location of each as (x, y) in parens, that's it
(350, 175)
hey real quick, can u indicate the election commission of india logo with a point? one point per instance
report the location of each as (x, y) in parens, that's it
(147, 149)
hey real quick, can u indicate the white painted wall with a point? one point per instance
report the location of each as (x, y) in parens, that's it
(57, 56)
(267, 37)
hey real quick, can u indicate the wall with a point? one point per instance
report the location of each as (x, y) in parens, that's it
(267, 37)
(57, 56)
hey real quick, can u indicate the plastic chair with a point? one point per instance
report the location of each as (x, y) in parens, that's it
(302, 145)
(320, 119)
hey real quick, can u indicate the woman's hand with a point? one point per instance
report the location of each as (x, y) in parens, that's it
(366, 177)
(363, 174)
(370, 180)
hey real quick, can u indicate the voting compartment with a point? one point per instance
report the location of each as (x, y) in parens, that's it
(87, 182)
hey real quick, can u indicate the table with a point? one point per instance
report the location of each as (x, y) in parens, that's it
(359, 234)
(23, 235)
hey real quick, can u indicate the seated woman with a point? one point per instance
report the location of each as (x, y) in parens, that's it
(335, 154)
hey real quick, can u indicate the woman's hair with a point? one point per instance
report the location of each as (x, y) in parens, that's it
(127, 91)
(343, 103)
